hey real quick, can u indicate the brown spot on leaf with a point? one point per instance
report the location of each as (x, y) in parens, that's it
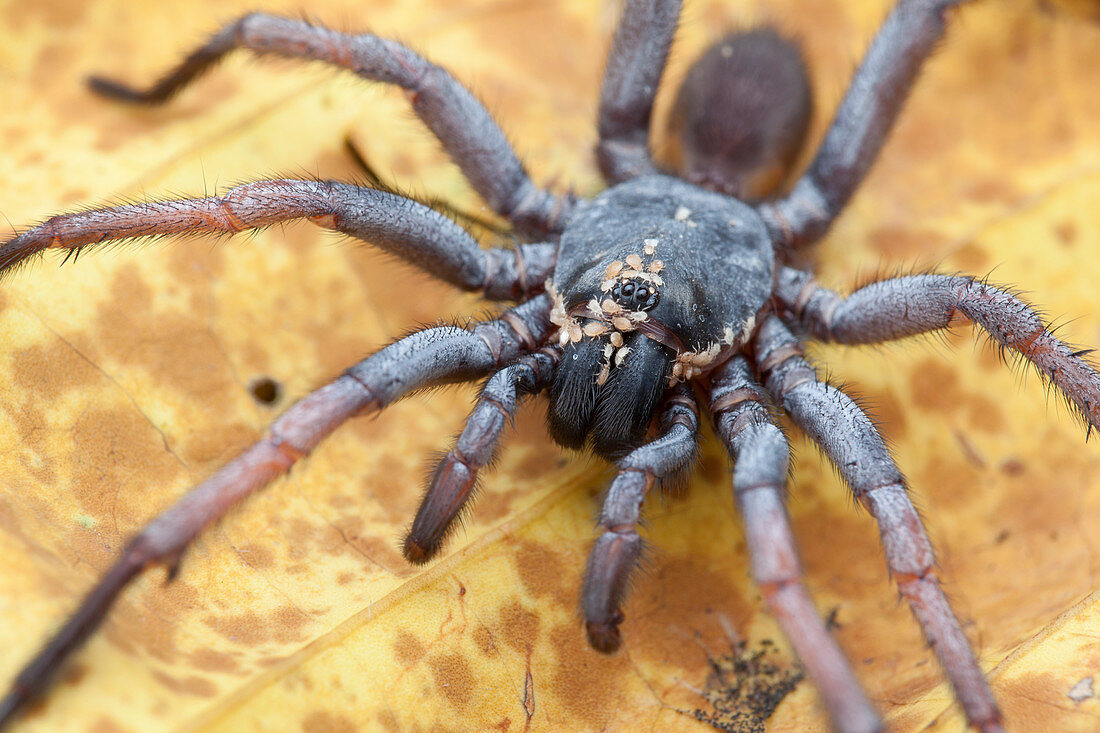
(116, 458)
(257, 556)
(321, 721)
(408, 648)
(908, 242)
(935, 386)
(106, 725)
(1066, 232)
(251, 629)
(679, 600)
(540, 570)
(51, 369)
(887, 411)
(1020, 694)
(212, 660)
(454, 679)
(584, 681)
(193, 685)
(971, 258)
(984, 413)
(483, 638)
(521, 626)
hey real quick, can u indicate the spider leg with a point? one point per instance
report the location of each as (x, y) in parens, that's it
(616, 552)
(906, 306)
(634, 69)
(848, 437)
(451, 112)
(428, 358)
(455, 477)
(403, 227)
(761, 455)
(875, 96)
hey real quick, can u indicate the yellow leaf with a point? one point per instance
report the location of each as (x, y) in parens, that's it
(128, 376)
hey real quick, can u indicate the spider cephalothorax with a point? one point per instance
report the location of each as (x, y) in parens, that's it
(633, 309)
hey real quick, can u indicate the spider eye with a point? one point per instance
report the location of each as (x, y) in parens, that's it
(635, 297)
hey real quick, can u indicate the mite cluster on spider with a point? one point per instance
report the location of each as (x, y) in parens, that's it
(670, 293)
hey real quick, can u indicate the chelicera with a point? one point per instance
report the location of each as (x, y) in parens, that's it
(636, 306)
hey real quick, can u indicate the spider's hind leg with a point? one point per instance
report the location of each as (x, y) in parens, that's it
(874, 98)
(634, 69)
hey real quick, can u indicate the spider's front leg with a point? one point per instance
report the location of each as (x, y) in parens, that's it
(907, 306)
(616, 552)
(455, 477)
(848, 437)
(428, 358)
(401, 226)
(875, 96)
(761, 455)
(461, 123)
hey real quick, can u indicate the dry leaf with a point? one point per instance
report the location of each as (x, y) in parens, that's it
(127, 379)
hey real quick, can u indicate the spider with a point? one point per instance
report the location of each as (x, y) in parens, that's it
(603, 630)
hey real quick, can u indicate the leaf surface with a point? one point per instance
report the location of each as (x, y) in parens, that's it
(126, 378)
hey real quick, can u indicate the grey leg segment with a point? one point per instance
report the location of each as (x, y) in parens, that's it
(848, 437)
(906, 306)
(403, 227)
(455, 477)
(875, 96)
(617, 550)
(761, 457)
(634, 70)
(427, 358)
(460, 121)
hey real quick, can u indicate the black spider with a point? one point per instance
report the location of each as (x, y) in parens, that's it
(656, 291)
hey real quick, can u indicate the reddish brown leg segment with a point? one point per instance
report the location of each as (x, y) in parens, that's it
(425, 359)
(761, 456)
(848, 437)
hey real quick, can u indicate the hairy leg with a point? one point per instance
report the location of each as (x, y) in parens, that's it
(906, 306)
(403, 227)
(427, 358)
(616, 552)
(458, 120)
(848, 437)
(761, 457)
(633, 73)
(455, 477)
(875, 96)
